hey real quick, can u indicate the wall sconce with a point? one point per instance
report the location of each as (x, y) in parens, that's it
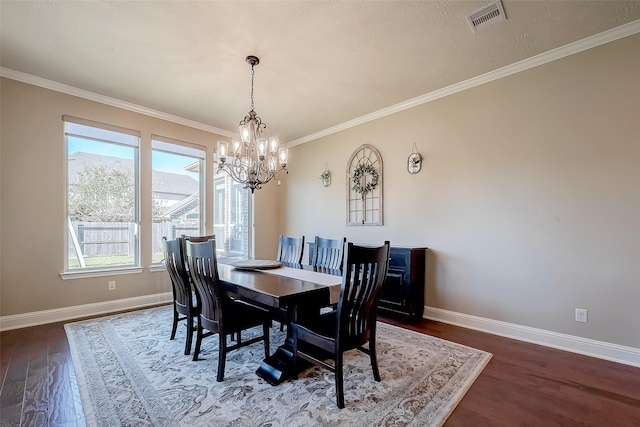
(414, 162)
(326, 176)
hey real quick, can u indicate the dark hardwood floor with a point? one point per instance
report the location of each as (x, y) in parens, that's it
(531, 385)
(523, 384)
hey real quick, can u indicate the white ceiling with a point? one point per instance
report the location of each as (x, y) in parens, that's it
(322, 63)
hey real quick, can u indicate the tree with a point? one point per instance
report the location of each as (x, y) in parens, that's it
(157, 210)
(103, 195)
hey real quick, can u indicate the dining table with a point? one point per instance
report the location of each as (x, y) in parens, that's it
(290, 292)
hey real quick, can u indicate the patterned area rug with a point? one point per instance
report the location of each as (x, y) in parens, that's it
(130, 373)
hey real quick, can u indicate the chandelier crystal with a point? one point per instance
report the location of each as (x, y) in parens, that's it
(254, 160)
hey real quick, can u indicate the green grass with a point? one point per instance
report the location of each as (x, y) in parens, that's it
(111, 261)
(104, 261)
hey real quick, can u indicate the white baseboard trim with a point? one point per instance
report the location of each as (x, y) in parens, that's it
(74, 312)
(588, 347)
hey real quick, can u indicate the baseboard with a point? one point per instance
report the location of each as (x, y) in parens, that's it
(74, 312)
(588, 347)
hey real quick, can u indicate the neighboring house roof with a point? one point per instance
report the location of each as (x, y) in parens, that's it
(174, 183)
(182, 207)
(163, 182)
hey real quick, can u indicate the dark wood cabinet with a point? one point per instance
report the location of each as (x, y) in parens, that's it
(403, 292)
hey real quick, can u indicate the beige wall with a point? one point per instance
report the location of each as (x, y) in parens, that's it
(266, 218)
(529, 196)
(33, 192)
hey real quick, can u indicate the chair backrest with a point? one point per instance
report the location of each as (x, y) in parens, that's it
(328, 253)
(290, 249)
(203, 267)
(199, 239)
(364, 273)
(194, 239)
(174, 260)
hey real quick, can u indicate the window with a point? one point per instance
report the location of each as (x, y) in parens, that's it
(102, 196)
(177, 191)
(231, 217)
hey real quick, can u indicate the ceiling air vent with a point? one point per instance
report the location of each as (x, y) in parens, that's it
(487, 16)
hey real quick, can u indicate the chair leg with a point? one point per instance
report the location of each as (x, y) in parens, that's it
(265, 334)
(187, 345)
(294, 351)
(374, 359)
(196, 351)
(175, 323)
(222, 355)
(339, 381)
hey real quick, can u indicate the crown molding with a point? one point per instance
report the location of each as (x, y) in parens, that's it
(543, 58)
(92, 96)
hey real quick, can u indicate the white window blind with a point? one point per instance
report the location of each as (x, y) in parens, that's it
(88, 129)
(173, 146)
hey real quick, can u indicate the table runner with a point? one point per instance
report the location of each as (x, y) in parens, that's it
(330, 280)
(333, 282)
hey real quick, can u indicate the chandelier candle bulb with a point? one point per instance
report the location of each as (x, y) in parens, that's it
(284, 154)
(236, 147)
(245, 133)
(222, 151)
(273, 144)
(262, 148)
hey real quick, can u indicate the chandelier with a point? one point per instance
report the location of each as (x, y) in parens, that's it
(255, 160)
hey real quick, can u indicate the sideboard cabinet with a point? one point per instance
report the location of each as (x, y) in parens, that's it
(403, 291)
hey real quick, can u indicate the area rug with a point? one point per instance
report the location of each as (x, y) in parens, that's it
(129, 373)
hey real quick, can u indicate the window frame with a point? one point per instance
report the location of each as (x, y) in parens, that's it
(250, 212)
(68, 123)
(186, 149)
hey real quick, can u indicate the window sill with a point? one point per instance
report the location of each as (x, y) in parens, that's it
(84, 274)
(157, 267)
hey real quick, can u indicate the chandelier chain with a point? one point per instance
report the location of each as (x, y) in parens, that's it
(252, 74)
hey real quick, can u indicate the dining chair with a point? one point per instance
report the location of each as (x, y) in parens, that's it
(353, 323)
(290, 249)
(328, 253)
(219, 313)
(196, 239)
(183, 301)
(290, 254)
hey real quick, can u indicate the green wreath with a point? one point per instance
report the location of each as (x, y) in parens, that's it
(359, 173)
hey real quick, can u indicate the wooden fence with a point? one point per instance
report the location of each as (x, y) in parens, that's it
(116, 238)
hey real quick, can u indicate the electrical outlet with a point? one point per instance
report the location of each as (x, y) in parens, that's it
(581, 315)
(112, 285)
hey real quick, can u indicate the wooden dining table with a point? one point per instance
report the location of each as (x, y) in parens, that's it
(292, 292)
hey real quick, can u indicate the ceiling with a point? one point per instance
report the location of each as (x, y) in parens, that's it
(322, 63)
